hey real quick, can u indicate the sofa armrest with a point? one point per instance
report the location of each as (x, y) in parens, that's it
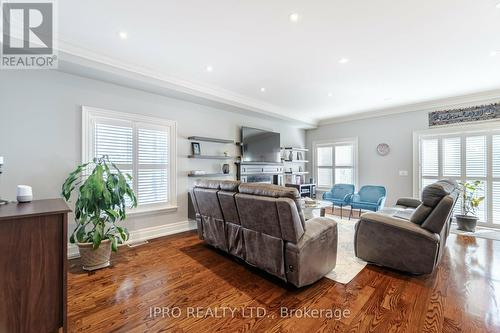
(315, 228)
(408, 202)
(314, 255)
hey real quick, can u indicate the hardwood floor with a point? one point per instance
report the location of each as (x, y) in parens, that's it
(181, 273)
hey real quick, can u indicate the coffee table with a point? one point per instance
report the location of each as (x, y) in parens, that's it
(316, 210)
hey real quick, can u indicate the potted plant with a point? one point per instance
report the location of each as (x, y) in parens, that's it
(470, 203)
(101, 205)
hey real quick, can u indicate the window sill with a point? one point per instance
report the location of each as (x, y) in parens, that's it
(152, 210)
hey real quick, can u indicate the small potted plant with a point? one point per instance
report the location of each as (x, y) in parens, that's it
(470, 203)
(102, 190)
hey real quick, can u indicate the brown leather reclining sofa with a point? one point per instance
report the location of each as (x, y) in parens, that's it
(263, 225)
(412, 236)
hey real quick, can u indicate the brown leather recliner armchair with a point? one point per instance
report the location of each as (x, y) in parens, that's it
(263, 225)
(412, 236)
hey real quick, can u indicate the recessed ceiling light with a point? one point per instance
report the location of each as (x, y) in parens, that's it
(498, 5)
(123, 35)
(493, 53)
(343, 61)
(263, 89)
(294, 17)
(209, 69)
(330, 94)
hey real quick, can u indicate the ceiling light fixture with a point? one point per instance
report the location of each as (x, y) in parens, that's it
(343, 61)
(493, 53)
(209, 69)
(498, 5)
(294, 17)
(123, 35)
(330, 94)
(263, 90)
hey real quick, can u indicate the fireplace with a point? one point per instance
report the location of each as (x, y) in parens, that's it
(257, 172)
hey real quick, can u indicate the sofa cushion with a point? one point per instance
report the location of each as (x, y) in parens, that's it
(420, 214)
(274, 191)
(431, 197)
(432, 194)
(225, 185)
(269, 190)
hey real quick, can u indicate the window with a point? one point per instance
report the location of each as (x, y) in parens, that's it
(139, 145)
(335, 163)
(465, 154)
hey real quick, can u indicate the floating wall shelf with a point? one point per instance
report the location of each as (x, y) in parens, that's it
(212, 175)
(296, 161)
(205, 139)
(294, 149)
(210, 157)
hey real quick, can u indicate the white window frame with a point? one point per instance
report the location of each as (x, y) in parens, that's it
(483, 129)
(332, 143)
(90, 114)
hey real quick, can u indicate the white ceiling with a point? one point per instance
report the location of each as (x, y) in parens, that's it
(400, 52)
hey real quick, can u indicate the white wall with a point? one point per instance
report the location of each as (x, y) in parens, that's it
(397, 132)
(40, 131)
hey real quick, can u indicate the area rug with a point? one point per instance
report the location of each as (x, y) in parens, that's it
(487, 233)
(348, 266)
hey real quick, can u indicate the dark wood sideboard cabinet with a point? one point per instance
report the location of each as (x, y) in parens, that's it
(33, 259)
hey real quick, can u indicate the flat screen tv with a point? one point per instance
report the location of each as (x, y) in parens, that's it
(260, 146)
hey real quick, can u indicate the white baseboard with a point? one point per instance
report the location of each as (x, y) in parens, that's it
(146, 234)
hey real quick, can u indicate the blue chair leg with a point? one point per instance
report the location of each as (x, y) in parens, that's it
(341, 209)
(350, 214)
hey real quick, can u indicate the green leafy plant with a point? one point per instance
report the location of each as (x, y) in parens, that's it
(470, 199)
(101, 202)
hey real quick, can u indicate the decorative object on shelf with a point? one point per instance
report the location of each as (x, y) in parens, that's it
(197, 173)
(470, 203)
(300, 169)
(195, 148)
(226, 154)
(383, 149)
(290, 156)
(225, 168)
(299, 156)
(311, 180)
(100, 206)
(298, 180)
(24, 193)
(470, 114)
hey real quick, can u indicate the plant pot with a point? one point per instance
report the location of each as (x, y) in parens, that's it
(466, 222)
(95, 259)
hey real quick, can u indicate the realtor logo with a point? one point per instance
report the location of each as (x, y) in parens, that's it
(28, 35)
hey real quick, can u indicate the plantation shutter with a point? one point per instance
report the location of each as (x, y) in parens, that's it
(152, 170)
(452, 157)
(495, 185)
(465, 157)
(140, 150)
(115, 141)
(476, 156)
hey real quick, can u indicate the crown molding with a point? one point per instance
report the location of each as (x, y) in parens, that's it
(485, 97)
(78, 61)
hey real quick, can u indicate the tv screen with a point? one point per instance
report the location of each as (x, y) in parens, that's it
(260, 146)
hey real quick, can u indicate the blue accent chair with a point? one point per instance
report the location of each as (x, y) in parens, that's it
(369, 197)
(339, 195)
